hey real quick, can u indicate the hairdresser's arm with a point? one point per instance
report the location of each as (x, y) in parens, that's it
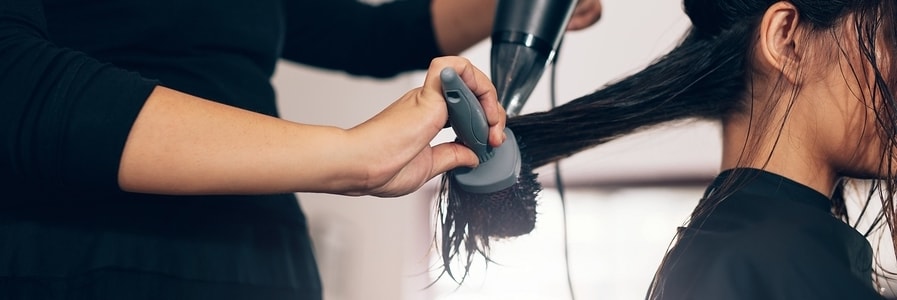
(382, 40)
(361, 39)
(68, 122)
(460, 24)
(64, 117)
(398, 36)
(184, 145)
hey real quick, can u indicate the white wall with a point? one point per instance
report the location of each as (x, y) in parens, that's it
(366, 246)
(372, 248)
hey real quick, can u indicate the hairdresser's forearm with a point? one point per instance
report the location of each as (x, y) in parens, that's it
(182, 144)
(461, 24)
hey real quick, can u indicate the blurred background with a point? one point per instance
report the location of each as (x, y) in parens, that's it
(624, 199)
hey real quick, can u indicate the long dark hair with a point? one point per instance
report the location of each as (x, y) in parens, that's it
(708, 75)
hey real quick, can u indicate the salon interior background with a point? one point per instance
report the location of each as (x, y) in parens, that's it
(625, 198)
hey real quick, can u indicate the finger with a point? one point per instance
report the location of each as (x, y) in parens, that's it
(480, 85)
(497, 130)
(432, 80)
(476, 80)
(587, 13)
(488, 97)
(451, 155)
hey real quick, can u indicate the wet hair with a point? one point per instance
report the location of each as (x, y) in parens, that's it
(708, 76)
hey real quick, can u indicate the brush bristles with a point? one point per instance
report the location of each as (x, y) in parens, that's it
(471, 220)
(507, 213)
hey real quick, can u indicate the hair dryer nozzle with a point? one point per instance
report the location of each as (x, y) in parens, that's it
(516, 70)
(525, 36)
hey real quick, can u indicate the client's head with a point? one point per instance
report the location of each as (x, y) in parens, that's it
(815, 97)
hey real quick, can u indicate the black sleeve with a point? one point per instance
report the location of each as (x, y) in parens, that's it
(361, 39)
(64, 117)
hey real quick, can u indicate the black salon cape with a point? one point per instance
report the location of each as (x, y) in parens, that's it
(771, 239)
(73, 76)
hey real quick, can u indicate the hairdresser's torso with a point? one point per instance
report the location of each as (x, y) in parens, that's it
(221, 50)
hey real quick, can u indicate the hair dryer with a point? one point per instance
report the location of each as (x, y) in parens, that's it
(525, 37)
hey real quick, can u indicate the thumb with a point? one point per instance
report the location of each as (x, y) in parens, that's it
(451, 155)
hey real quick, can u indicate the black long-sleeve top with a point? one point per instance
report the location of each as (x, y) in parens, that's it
(73, 77)
(772, 238)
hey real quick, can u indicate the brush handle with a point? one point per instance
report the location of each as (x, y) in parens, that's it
(466, 116)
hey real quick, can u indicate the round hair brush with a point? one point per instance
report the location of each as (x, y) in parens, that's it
(497, 199)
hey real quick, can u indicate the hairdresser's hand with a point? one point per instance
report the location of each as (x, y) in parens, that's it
(396, 142)
(586, 13)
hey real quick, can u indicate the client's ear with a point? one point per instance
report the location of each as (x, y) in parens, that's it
(778, 40)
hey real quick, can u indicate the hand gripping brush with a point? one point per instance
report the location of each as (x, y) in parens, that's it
(497, 199)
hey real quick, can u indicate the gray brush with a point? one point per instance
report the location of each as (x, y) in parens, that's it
(497, 199)
(499, 167)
